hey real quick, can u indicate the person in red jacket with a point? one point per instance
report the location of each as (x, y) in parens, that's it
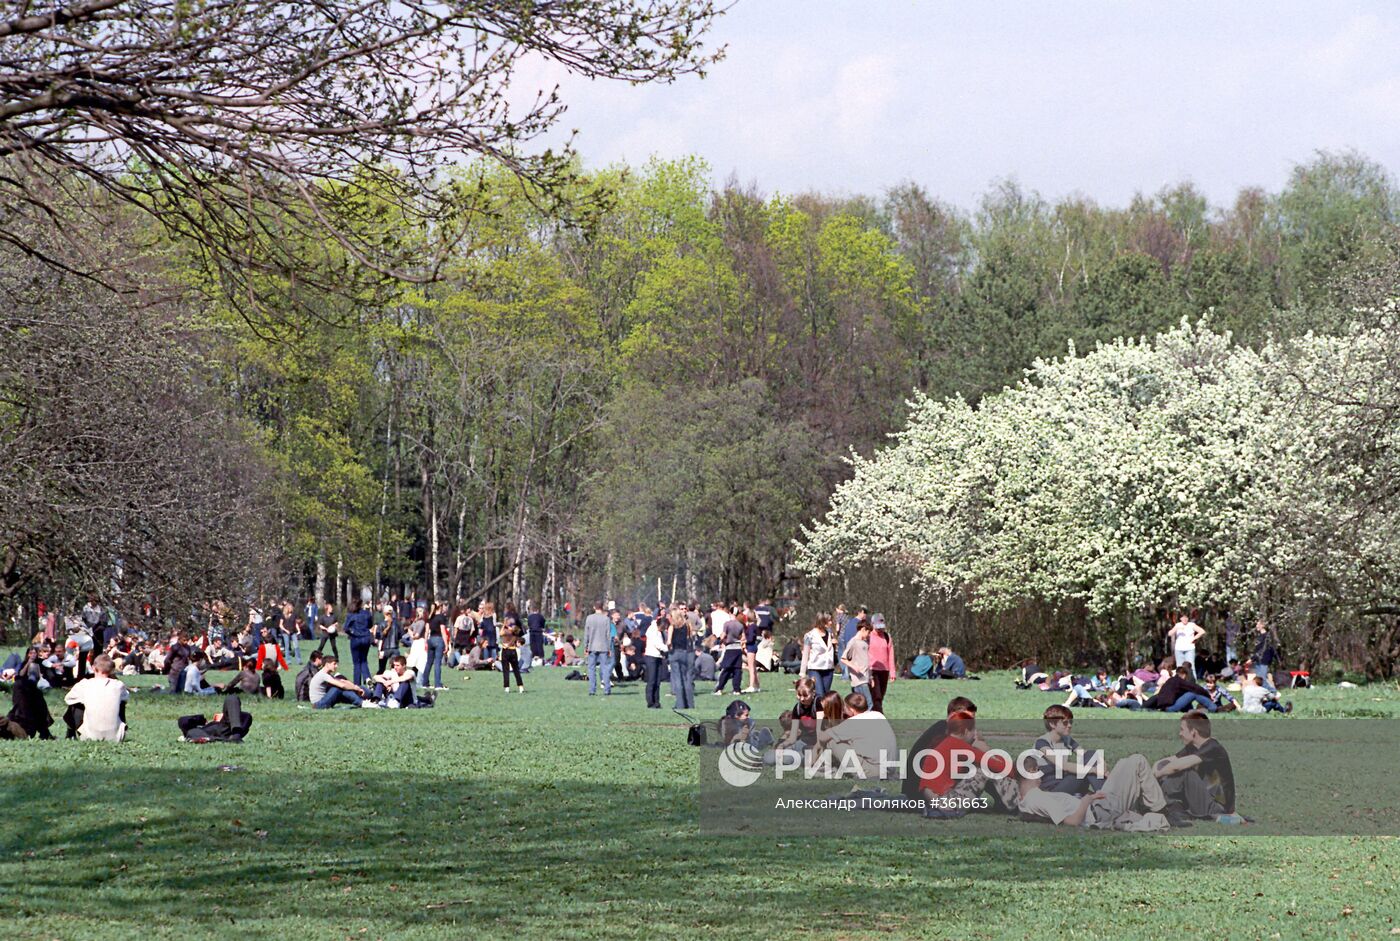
(963, 746)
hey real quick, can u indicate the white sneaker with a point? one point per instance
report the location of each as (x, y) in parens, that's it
(369, 704)
(719, 692)
(392, 704)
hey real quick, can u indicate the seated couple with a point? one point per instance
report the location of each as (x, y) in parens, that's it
(1196, 782)
(942, 665)
(391, 689)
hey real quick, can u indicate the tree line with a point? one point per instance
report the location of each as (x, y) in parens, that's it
(660, 391)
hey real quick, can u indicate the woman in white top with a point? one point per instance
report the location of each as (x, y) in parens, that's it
(818, 655)
(654, 654)
(1183, 635)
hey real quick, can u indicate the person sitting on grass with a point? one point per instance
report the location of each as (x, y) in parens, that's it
(246, 681)
(963, 744)
(1259, 699)
(1224, 702)
(97, 705)
(791, 658)
(478, 656)
(831, 713)
(195, 684)
(864, 737)
(1178, 693)
(704, 669)
(737, 723)
(394, 687)
(1198, 780)
(329, 688)
(29, 712)
(272, 682)
(922, 667)
(928, 739)
(302, 687)
(1127, 796)
(221, 657)
(1058, 763)
(950, 665)
(801, 727)
(1081, 694)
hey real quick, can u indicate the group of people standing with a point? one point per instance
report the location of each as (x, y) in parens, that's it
(859, 645)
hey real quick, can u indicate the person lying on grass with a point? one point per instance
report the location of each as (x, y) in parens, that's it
(1130, 798)
(1198, 780)
(329, 688)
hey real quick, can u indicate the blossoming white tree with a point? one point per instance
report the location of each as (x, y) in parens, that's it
(1182, 470)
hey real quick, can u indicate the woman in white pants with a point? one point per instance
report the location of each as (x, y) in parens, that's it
(1183, 636)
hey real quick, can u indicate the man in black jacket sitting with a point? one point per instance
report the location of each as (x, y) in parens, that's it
(303, 682)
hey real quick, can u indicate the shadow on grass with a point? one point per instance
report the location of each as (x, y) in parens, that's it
(426, 856)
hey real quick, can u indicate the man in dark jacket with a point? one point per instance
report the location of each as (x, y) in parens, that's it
(303, 681)
(29, 715)
(230, 725)
(1178, 694)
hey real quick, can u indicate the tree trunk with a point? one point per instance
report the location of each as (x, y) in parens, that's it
(320, 577)
(435, 567)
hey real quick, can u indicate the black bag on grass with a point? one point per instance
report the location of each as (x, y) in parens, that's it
(698, 734)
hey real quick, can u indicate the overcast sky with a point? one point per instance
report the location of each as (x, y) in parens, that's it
(1103, 99)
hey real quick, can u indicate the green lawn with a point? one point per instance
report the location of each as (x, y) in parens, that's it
(556, 815)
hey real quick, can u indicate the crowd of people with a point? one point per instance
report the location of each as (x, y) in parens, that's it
(1172, 683)
(1062, 783)
(725, 649)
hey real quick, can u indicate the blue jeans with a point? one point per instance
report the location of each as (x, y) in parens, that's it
(822, 679)
(436, 646)
(864, 690)
(359, 656)
(600, 662)
(1128, 704)
(1262, 671)
(682, 678)
(404, 694)
(291, 646)
(335, 694)
(1184, 703)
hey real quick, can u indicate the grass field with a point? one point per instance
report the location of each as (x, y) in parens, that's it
(556, 815)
